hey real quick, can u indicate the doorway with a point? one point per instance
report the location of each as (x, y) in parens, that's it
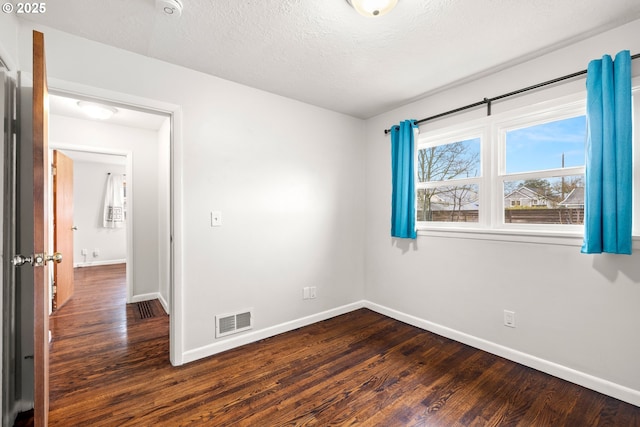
(139, 142)
(173, 214)
(171, 258)
(78, 228)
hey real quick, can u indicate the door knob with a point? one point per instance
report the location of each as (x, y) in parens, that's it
(19, 260)
(56, 257)
(36, 259)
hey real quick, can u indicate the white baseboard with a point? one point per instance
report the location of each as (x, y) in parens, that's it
(145, 297)
(600, 385)
(149, 297)
(9, 415)
(96, 263)
(22, 406)
(577, 377)
(164, 303)
(252, 336)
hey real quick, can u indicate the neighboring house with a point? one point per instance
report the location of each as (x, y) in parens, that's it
(459, 200)
(526, 197)
(575, 199)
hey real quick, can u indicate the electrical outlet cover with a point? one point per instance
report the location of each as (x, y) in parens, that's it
(509, 319)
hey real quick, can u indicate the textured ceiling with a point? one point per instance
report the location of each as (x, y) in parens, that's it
(323, 53)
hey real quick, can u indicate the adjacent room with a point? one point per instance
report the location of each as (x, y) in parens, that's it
(346, 212)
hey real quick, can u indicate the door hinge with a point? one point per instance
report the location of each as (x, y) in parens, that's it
(14, 127)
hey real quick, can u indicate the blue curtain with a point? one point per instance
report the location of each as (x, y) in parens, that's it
(608, 187)
(403, 201)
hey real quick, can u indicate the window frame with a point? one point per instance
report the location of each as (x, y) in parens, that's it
(492, 132)
(456, 135)
(513, 121)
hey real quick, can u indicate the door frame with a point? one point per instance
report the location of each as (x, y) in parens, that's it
(70, 89)
(130, 195)
(9, 406)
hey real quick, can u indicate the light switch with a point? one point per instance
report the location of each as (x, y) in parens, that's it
(216, 218)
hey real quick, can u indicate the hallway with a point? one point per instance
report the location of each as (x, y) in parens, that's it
(100, 345)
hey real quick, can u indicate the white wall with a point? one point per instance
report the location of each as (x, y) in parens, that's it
(89, 183)
(577, 315)
(287, 177)
(9, 33)
(68, 132)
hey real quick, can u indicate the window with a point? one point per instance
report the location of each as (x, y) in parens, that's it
(522, 170)
(520, 173)
(543, 166)
(448, 174)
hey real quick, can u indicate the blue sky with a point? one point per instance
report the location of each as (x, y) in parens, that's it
(540, 147)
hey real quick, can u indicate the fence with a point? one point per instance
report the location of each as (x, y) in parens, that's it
(512, 216)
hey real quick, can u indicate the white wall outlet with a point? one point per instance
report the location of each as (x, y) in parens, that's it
(84, 252)
(216, 218)
(305, 293)
(96, 252)
(312, 292)
(509, 319)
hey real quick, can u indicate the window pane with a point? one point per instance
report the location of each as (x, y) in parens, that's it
(448, 204)
(553, 200)
(547, 146)
(449, 161)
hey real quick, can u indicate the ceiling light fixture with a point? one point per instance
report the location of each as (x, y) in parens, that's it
(97, 111)
(373, 8)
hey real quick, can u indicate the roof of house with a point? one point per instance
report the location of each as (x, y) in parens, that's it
(524, 192)
(575, 198)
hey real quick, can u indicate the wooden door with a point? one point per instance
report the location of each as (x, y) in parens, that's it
(40, 232)
(62, 227)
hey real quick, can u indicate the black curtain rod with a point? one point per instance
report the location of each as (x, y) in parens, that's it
(488, 101)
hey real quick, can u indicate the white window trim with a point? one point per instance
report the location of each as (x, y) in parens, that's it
(434, 139)
(490, 225)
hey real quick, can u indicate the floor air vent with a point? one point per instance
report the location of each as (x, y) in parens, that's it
(233, 323)
(145, 310)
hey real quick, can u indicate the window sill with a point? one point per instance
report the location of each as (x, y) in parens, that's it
(563, 238)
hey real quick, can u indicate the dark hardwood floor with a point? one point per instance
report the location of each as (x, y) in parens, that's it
(111, 368)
